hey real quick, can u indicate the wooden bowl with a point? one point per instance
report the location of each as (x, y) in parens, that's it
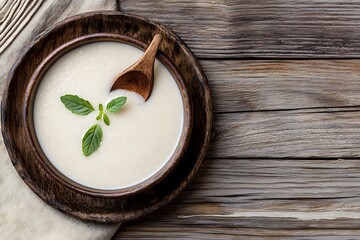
(34, 144)
(44, 179)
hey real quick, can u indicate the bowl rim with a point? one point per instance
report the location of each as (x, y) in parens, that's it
(31, 92)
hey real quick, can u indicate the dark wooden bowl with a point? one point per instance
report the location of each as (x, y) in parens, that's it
(47, 182)
(33, 142)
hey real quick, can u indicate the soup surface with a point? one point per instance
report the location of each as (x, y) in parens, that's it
(141, 137)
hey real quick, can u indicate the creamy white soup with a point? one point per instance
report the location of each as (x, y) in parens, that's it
(142, 136)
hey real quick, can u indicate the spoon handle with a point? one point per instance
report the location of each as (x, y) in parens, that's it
(149, 56)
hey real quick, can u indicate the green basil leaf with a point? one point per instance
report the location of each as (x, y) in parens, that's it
(106, 119)
(101, 108)
(115, 104)
(76, 104)
(98, 117)
(92, 139)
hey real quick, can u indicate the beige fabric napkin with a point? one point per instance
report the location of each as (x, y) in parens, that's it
(22, 214)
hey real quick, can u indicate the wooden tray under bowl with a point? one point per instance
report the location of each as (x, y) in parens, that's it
(93, 207)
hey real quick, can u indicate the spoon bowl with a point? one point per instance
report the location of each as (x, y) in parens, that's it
(139, 77)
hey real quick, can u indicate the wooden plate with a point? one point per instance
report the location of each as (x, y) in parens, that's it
(93, 207)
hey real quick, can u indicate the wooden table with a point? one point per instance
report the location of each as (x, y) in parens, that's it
(284, 160)
(285, 81)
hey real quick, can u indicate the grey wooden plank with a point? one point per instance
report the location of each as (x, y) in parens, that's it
(260, 199)
(130, 232)
(207, 233)
(253, 85)
(273, 184)
(250, 28)
(316, 133)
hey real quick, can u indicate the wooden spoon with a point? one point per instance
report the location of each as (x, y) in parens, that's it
(139, 77)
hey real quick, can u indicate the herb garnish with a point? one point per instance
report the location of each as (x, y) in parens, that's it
(115, 104)
(93, 136)
(92, 139)
(76, 104)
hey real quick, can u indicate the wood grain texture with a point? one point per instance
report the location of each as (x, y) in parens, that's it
(314, 133)
(257, 85)
(300, 109)
(220, 233)
(270, 191)
(251, 28)
(261, 199)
